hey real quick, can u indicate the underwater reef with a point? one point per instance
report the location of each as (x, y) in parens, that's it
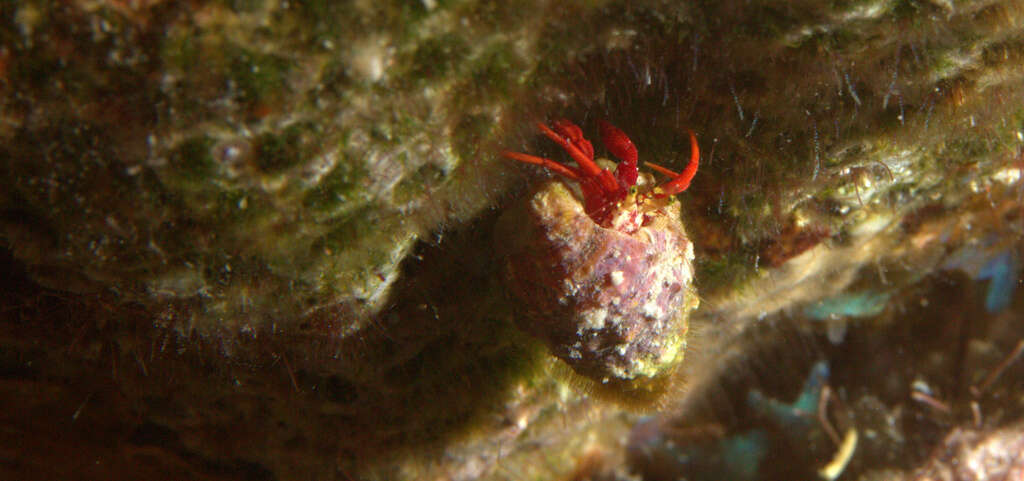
(255, 239)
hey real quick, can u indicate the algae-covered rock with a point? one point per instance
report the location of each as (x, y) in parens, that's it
(254, 239)
(220, 155)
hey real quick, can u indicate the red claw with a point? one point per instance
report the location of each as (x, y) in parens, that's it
(620, 146)
(575, 135)
(602, 191)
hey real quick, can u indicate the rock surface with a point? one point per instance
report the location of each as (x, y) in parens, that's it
(252, 239)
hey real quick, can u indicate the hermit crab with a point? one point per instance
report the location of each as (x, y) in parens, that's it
(599, 264)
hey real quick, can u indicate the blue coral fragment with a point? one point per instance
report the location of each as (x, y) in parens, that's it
(848, 304)
(1002, 270)
(800, 413)
(659, 451)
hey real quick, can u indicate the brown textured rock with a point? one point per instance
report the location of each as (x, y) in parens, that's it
(972, 455)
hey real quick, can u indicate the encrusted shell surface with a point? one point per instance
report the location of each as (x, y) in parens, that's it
(613, 305)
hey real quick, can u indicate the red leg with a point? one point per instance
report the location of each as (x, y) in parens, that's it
(618, 143)
(551, 165)
(587, 166)
(682, 181)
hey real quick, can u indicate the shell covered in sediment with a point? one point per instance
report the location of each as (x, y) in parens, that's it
(611, 304)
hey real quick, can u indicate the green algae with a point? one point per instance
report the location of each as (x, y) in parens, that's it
(437, 57)
(193, 163)
(277, 151)
(338, 192)
(257, 75)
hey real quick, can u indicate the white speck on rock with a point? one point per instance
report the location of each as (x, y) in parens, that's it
(617, 277)
(371, 59)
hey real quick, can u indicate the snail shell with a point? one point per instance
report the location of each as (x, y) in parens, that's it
(613, 305)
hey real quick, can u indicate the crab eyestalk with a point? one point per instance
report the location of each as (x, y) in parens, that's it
(606, 283)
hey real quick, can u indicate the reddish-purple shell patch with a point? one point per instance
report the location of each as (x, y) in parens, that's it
(611, 304)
